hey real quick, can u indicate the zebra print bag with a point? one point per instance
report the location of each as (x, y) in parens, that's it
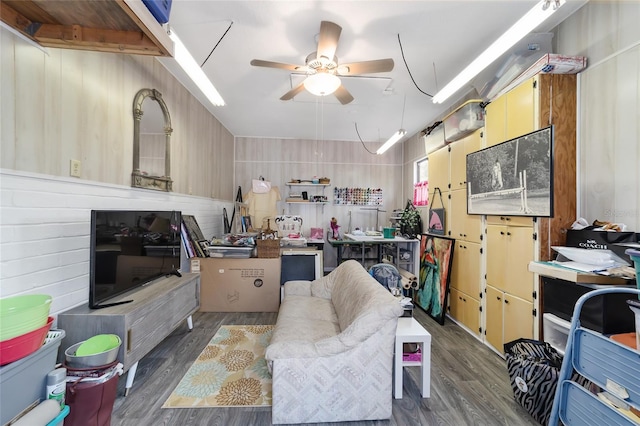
(534, 367)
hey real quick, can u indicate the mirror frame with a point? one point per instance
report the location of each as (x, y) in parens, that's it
(138, 179)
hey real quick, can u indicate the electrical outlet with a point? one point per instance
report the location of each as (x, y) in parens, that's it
(75, 168)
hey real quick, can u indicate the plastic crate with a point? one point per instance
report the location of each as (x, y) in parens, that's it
(465, 120)
(23, 382)
(160, 9)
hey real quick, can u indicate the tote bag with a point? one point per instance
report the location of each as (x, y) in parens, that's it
(436, 215)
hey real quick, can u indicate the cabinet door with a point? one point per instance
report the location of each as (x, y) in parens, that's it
(439, 170)
(467, 276)
(472, 314)
(458, 214)
(495, 119)
(458, 154)
(518, 280)
(458, 165)
(518, 318)
(456, 308)
(494, 316)
(464, 226)
(465, 310)
(496, 251)
(520, 99)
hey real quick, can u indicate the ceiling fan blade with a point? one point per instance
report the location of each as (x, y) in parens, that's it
(280, 65)
(293, 92)
(343, 95)
(366, 67)
(328, 39)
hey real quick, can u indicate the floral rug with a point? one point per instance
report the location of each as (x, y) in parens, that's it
(230, 372)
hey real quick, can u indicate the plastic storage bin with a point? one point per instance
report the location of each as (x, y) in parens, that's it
(465, 120)
(556, 331)
(435, 139)
(236, 252)
(23, 382)
(160, 9)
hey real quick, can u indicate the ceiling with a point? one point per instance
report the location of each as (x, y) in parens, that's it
(439, 39)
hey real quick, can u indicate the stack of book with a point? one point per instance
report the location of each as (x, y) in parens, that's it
(194, 242)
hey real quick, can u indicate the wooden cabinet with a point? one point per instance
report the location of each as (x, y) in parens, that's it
(458, 155)
(465, 285)
(507, 318)
(511, 242)
(155, 311)
(439, 170)
(464, 226)
(510, 248)
(502, 123)
(465, 310)
(509, 251)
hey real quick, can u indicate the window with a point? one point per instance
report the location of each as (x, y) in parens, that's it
(420, 187)
(421, 172)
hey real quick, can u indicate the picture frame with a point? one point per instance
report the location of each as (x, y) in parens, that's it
(436, 260)
(512, 178)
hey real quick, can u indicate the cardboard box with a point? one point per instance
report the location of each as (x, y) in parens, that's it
(239, 285)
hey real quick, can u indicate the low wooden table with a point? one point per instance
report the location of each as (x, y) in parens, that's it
(410, 331)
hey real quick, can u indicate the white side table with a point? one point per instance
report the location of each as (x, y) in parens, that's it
(410, 331)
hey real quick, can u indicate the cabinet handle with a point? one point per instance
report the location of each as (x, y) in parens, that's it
(128, 340)
(498, 298)
(508, 233)
(506, 301)
(501, 232)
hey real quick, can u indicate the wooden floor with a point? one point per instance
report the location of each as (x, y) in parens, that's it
(469, 382)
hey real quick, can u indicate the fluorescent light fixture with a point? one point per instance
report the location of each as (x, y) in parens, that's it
(322, 83)
(193, 70)
(392, 140)
(536, 16)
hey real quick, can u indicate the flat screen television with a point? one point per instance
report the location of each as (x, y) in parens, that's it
(130, 248)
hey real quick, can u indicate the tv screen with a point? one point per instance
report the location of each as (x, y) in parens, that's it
(129, 249)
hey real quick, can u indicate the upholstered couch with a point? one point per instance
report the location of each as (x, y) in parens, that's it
(331, 353)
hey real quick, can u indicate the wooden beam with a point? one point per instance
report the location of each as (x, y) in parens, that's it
(84, 38)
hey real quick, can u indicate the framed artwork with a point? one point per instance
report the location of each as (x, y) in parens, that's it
(436, 258)
(513, 178)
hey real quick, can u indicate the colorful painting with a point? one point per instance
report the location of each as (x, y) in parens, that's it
(436, 257)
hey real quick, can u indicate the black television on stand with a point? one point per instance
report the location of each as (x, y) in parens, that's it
(131, 248)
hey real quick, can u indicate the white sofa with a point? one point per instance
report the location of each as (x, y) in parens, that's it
(331, 353)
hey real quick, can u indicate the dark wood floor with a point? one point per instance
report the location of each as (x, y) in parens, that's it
(469, 382)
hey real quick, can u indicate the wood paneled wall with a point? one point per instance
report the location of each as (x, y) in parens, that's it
(608, 148)
(68, 104)
(346, 163)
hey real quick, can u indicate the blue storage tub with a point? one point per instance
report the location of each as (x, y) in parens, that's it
(60, 418)
(160, 9)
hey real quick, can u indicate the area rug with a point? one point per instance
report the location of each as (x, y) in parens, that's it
(230, 372)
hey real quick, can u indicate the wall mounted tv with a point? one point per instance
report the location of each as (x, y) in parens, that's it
(130, 249)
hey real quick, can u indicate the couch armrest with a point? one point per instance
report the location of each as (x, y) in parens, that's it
(297, 288)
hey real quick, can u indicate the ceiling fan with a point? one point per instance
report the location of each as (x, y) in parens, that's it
(323, 70)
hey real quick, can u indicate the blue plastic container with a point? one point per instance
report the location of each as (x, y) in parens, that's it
(635, 256)
(58, 421)
(160, 9)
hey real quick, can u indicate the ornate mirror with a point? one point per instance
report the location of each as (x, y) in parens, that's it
(151, 142)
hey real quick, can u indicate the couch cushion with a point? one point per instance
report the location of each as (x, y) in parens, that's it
(357, 293)
(302, 308)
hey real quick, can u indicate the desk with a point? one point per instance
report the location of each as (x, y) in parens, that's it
(364, 240)
(410, 331)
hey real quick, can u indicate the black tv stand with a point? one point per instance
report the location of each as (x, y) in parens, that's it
(106, 305)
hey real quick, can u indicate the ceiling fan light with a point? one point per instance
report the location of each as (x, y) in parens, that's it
(322, 83)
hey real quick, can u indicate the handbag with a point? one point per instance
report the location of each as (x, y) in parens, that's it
(534, 371)
(436, 216)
